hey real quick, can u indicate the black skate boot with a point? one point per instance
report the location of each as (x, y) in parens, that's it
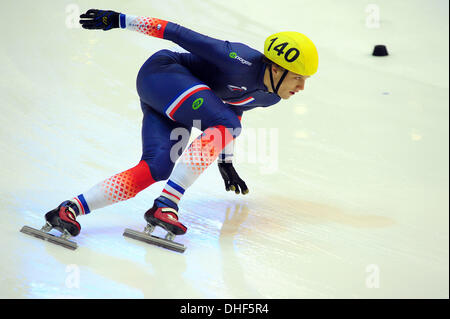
(162, 214)
(62, 219)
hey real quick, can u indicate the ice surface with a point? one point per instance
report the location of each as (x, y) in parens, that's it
(353, 202)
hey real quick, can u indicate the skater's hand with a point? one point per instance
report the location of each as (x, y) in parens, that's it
(232, 180)
(100, 19)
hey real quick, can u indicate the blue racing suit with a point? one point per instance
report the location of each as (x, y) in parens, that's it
(214, 83)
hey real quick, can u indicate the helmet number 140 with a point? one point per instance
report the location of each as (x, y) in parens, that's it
(290, 56)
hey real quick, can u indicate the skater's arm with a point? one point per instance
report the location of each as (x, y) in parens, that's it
(213, 50)
(149, 26)
(221, 53)
(226, 156)
(231, 178)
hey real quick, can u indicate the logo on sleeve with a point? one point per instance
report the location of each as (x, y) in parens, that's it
(234, 55)
(197, 103)
(233, 88)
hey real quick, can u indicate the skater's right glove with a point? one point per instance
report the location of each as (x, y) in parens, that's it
(100, 19)
(231, 178)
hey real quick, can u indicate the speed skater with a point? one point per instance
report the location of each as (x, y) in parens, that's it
(214, 82)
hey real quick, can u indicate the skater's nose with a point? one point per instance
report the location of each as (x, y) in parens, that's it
(301, 84)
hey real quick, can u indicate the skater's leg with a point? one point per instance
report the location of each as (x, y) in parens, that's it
(195, 160)
(163, 142)
(200, 154)
(155, 165)
(175, 92)
(119, 187)
(157, 161)
(172, 91)
(220, 125)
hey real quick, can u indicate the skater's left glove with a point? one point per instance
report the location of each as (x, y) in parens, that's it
(100, 19)
(232, 180)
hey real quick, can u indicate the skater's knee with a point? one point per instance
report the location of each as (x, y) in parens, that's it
(235, 128)
(229, 120)
(140, 174)
(160, 168)
(164, 172)
(232, 125)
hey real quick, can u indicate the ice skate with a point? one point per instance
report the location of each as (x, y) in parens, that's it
(63, 220)
(166, 218)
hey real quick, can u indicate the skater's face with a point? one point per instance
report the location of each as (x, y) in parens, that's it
(292, 83)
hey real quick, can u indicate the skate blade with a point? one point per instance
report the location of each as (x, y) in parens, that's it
(150, 239)
(49, 237)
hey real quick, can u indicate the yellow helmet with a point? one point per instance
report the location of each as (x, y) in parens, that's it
(293, 51)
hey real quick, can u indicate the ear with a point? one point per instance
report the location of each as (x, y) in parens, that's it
(274, 69)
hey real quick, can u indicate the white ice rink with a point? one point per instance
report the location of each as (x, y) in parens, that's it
(348, 179)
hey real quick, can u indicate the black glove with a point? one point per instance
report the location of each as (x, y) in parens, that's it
(232, 180)
(100, 19)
